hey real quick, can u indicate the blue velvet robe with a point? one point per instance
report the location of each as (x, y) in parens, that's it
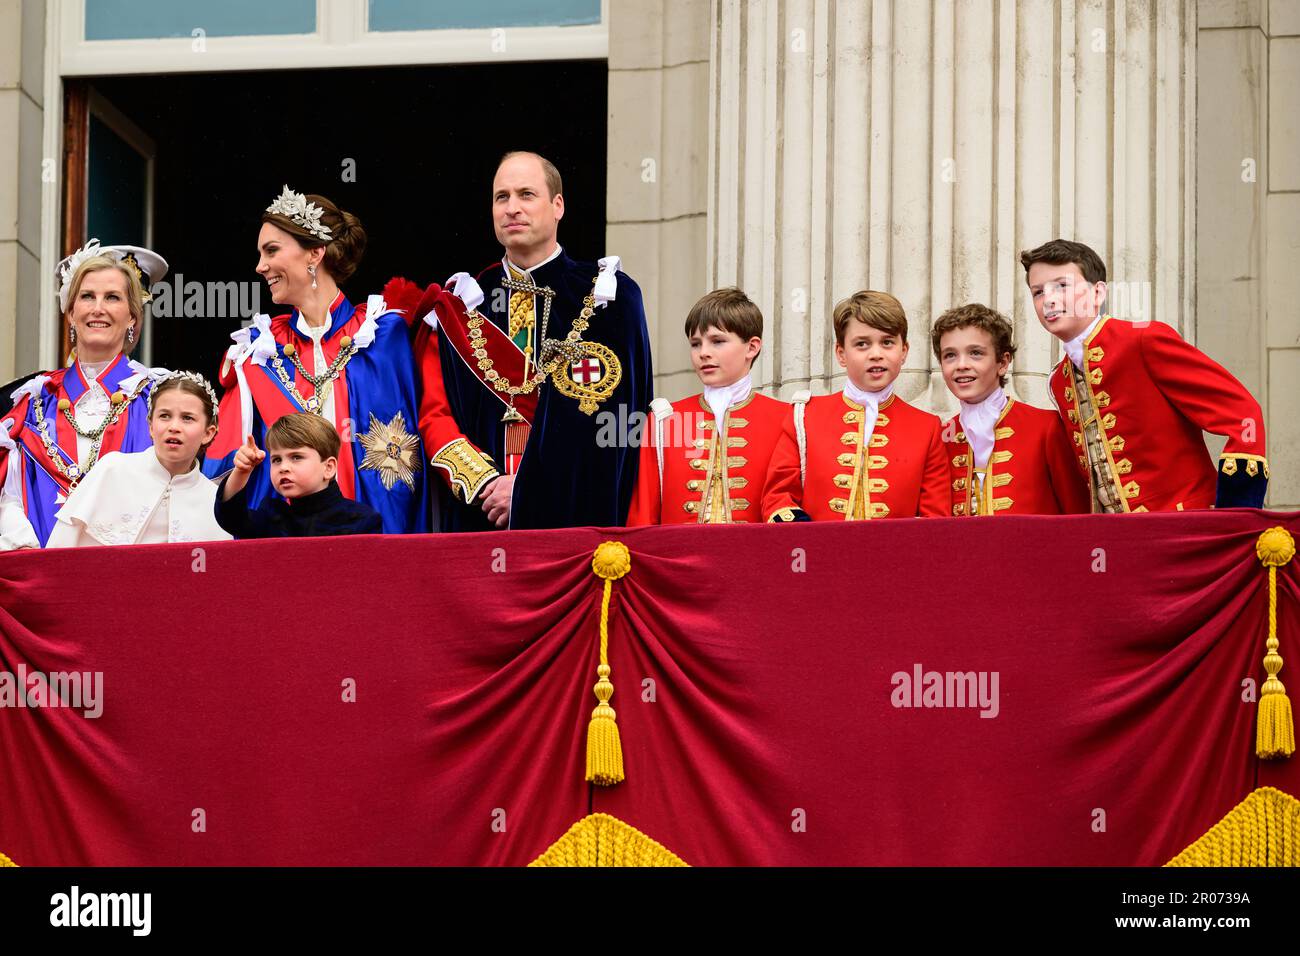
(566, 477)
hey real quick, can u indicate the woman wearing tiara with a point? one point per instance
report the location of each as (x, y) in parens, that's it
(156, 495)
(63, 423)
(351, 365)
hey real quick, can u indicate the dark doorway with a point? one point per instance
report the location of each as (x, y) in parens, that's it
(424, 141)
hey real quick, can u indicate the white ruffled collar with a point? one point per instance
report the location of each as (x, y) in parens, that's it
(91, 371)
(867, 398)
(979, 421)
(722, 397)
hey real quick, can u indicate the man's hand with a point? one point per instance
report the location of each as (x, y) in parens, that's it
(495, 499)
(246, 459)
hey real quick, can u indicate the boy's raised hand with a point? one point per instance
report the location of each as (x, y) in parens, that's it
(246, 460)
(248, 456)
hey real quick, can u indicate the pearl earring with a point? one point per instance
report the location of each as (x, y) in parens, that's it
(72, 336)
(312, 270)
(130, 335)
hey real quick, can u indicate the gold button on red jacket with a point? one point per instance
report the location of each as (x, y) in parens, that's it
(1031, 469)
(1153, 395)
(707, 477)
(902, 472)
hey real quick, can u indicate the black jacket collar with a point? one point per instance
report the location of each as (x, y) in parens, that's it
(313, 504)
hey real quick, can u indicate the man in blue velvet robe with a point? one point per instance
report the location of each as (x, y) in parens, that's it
(531, 372)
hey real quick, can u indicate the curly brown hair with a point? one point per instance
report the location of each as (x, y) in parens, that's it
(976, 316)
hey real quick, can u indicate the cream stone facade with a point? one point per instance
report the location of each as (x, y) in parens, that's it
(916, 147)
(24, 177)
(804, 149)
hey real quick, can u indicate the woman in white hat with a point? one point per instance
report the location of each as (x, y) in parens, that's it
(62, 423)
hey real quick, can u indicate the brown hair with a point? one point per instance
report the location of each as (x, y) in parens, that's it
(980, 317)
(346, 246)
(880, 310)
(1060, 251)
(189, 387)
(304, 430)
(134, 291)
(728, 309)
(554, 184)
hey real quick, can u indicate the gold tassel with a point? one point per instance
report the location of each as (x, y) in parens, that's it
(1275, 730)
(599, 839)
(604, 749)
(1262, 830)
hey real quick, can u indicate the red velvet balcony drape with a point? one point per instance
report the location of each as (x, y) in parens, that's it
(425, 699)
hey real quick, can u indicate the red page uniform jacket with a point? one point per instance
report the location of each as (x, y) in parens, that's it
(707, 477)
(823, 467)
(1151, 395)
(1031, 470)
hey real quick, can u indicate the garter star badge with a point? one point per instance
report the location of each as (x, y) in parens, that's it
(390, 450)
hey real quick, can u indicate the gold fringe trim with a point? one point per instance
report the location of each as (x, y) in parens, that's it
(1275, 728)
(5, 861)
(602, 840)
(1262, 830)
(610, 561)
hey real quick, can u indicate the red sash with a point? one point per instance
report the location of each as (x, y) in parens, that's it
(507, 358)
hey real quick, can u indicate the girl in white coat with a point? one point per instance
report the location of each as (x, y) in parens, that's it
(157, 495)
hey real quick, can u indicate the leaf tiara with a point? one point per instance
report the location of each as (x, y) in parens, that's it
(194, 377)
(295, 206)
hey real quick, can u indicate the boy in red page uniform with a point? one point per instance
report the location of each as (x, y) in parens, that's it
(704, 458)
(1135, 398)
(1005, 457)
(864, 452)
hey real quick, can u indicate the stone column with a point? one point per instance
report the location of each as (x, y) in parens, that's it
(917, 147)
(22, 77)
(1282, 255)
(657, 169)
(1248, 202)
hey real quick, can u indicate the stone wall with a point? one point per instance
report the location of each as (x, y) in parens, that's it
(22, 78)
(808, 148)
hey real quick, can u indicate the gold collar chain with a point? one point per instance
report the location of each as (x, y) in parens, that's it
(478, 343)
(74, 472)
(330, 375)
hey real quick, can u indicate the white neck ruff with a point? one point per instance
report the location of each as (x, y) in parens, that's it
(722, 397)
(979, 421)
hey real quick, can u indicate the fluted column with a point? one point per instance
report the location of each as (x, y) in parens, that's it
(917, 147)
(22, 62)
